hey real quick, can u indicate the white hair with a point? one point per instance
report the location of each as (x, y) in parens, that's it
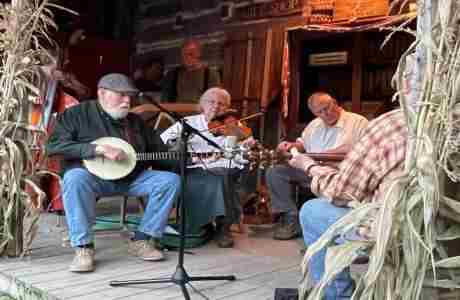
(216, 93)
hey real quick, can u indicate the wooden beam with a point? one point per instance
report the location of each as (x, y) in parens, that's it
(357, 62)
(247, 77)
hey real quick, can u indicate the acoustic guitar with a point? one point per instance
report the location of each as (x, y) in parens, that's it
(111, 170)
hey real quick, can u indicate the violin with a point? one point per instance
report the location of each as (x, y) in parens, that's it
(229, 124)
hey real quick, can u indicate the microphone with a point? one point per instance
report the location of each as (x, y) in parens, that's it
(230, 144)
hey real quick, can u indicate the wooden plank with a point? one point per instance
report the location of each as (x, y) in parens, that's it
(294, 97)
(247, 79)
(356, 76)
(258, 59)
(266, 76)
(259, 263)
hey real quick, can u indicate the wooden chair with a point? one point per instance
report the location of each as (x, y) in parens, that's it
(123, 209)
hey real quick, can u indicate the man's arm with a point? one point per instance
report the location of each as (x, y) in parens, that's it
(63, 140)
(342, 149)
(355, 178)
(155, 143)
(168, 86)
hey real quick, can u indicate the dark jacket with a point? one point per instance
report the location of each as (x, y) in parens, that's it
(78, 126)
(169, 92)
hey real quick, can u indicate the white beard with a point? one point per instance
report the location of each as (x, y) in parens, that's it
(116, 114)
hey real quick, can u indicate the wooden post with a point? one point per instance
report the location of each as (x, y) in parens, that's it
(247, 77)
(266, 80)
(356, 83)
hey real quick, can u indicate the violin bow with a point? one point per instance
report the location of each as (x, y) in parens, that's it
(242, 119)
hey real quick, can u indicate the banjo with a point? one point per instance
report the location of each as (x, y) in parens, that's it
(115, 169)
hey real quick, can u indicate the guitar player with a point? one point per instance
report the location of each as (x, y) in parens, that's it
(333, 131)
(76, 130)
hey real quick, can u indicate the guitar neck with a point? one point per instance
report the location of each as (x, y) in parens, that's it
(145, 156)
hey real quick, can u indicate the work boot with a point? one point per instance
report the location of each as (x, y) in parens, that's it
(83, 260)
(223, 237)
(145, 250)
(289, 227)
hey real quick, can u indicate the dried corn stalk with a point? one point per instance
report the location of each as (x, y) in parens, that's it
(24, 29)
(415, 217)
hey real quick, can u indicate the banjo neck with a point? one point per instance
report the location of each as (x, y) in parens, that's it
(149, 156)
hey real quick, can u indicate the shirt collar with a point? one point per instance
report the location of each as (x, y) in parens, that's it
(340, 122)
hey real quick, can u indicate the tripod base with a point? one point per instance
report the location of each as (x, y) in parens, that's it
(180, 277)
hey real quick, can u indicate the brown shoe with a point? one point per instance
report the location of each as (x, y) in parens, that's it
(83, 260)
(224, 237)
(145, 250)
(288, 229)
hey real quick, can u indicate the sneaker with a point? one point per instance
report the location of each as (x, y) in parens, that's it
(145, 250)
(83, 260)
(288, 229)
(224, 237)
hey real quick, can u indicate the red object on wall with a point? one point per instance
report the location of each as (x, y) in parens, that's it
(53, 190)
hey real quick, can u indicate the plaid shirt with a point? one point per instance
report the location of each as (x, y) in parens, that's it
(376, 158)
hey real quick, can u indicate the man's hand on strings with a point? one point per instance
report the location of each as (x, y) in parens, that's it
(301, 161)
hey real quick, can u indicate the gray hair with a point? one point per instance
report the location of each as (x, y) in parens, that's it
(215, 93)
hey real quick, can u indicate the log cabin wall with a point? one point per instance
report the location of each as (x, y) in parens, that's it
(163, 25)
(244, 40)
(235, 36)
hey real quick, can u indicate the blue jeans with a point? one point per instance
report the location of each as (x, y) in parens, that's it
(316, 216)
(81, 188)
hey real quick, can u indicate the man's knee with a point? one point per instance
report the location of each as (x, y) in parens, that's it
(77, 177)
(277, 173)
(310, 211)
(174, 179)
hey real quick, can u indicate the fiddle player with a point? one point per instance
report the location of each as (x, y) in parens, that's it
(77, 127)
(333, 131)
(210, 186)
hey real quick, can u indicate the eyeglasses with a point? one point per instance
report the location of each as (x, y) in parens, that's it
(323, 110)
(215, 102)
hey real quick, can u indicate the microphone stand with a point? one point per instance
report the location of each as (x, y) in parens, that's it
(180, 276)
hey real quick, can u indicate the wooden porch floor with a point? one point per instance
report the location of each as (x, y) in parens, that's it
(259, 263)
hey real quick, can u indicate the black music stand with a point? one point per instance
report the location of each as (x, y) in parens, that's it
(180, 276)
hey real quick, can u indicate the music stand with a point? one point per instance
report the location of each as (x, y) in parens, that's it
(180, 276)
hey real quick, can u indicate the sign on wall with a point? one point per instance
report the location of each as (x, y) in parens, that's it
(276, 8)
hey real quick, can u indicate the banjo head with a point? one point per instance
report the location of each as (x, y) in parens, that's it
(109, 169)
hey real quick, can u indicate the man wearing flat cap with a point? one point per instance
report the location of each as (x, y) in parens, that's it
(76, 129)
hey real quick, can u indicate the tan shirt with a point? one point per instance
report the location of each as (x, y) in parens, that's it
(318, 137)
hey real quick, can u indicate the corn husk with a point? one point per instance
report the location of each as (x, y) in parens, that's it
(416, 216)
(25, 27)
